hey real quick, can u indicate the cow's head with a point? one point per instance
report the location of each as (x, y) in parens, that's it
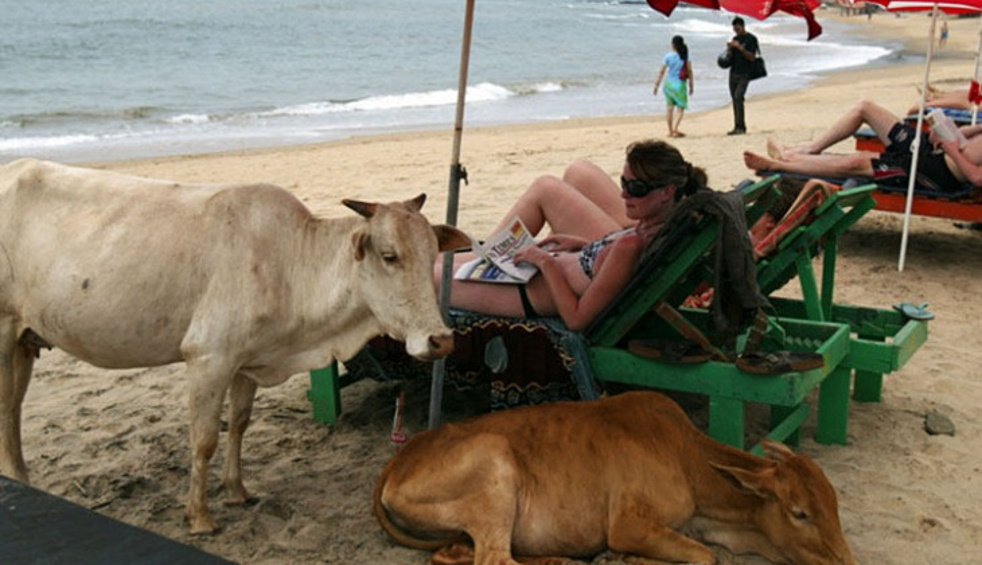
(396, 252)
(799, 514)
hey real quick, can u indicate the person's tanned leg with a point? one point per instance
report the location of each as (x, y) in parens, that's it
(836, 166)
(864, 112)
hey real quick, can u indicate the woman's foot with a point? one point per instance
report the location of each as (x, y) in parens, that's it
(756, 162)
(783, 152)
(774, 151)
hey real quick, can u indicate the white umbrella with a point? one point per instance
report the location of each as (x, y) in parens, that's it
(949, 7)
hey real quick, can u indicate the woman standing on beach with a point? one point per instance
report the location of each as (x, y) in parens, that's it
(679, 75)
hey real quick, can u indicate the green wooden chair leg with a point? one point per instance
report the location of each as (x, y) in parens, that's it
(833, 408)
(726, 420)
(828, 275)
(786, 423)
(868, 386)
(809, 288)
(325, 394)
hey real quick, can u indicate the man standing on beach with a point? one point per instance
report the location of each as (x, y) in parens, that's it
(743, 50)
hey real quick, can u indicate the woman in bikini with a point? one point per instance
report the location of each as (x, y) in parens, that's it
(596, 240)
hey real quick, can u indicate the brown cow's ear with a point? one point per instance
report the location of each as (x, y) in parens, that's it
(366, 209)
(776, 450)
(360, 240)
(451, 238)
(417, 203)
(760, 482)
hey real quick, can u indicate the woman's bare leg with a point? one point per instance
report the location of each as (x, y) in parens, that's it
(836, 166)
(489, 298)
(598, 186)
(678, 122)
(864, 112)
(669, 111)
(584, 209)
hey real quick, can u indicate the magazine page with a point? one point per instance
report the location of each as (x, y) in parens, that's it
(495, 262)
(500, 249)
(482, 270)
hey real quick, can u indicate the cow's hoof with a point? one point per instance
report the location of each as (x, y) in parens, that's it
(238, 497)
(203, 525)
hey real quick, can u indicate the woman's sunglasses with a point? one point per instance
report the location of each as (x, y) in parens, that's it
(638, 188)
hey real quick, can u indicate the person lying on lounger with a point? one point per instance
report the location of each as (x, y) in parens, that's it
(596, 242)
(956, 99)
(942, 165)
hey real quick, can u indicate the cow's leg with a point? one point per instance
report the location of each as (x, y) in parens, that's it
(239, 412)
(16, 363)
(208, 382)
(647, 541)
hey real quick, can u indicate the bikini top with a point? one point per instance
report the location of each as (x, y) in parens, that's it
(590, 252)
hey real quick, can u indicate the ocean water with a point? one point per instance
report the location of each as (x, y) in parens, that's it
(108, 79)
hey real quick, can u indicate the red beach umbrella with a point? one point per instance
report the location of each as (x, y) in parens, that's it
(952, 7)
(757, 9)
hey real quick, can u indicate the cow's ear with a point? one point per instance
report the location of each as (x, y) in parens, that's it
(776, 451)
(417, 203)
(759, 482)
(360, 240)
(366, 209)
(451, 238)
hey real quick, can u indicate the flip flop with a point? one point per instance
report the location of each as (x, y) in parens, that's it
(677, 352)
(779, 362)
(914, 312)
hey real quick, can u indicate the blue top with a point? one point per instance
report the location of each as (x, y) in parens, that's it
(674, 64)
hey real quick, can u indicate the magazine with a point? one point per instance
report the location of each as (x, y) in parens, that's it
(496, 257)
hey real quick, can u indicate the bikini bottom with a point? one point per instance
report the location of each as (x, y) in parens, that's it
(526, 303)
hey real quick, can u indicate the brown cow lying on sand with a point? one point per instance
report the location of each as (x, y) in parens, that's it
(624, 473)
(242, 283)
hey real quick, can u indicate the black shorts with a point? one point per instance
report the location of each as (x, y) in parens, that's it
(892, 167)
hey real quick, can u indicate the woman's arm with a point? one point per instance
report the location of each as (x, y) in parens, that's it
(661, 75)
(614, 274)
(971, 131)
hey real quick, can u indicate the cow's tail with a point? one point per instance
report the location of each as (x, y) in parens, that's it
(401, 537)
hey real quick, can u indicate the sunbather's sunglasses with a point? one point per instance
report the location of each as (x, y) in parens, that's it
(638, 188)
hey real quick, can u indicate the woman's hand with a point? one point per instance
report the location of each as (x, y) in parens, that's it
(562, 242)
(533, 255)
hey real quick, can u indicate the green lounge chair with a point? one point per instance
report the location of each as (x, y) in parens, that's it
(881, 340)
(601, 354)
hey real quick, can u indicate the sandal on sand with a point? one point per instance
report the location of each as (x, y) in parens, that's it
(678, 352)
(778, 362)
(914, 312)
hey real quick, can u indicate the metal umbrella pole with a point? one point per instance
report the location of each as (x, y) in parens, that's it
(916, 145)
(457, 173)
(976, 77)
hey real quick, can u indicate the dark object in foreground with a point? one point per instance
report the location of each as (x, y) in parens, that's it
(37, 527)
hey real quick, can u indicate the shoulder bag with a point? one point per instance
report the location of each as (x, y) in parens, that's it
(757, 68)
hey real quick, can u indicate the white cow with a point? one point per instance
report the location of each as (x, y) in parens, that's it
(242, 283)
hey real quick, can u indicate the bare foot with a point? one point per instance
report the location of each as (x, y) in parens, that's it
(774, 151)
(756, 162)
(679, 134)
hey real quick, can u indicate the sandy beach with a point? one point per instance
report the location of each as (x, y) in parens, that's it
(116, 441)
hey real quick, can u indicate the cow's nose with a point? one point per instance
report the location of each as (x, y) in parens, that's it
(440, 345)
